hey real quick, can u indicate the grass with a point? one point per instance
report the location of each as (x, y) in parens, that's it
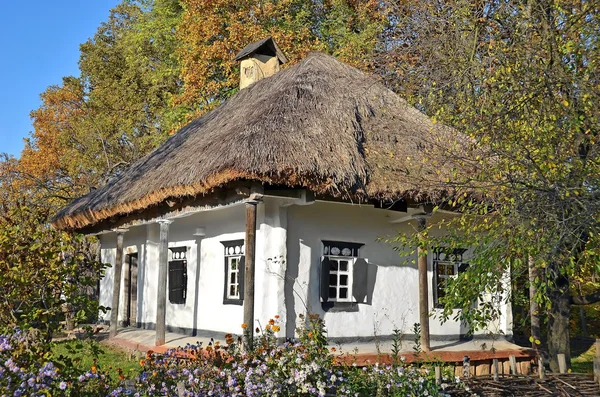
(85, 354)
(584, 362)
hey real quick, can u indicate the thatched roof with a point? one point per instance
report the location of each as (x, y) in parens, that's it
(320, 124)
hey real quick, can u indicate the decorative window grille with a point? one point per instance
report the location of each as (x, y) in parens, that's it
(234, 271)
(339, 271)
(447, 263)
(177, 275)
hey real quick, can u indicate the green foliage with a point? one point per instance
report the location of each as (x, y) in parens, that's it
(519, 80)
(46, 274)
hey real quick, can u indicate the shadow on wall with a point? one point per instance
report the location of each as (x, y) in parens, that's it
(106, 284)
(308, 294)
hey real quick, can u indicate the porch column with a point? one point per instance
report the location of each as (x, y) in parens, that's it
(163, 271)
(423, 283)
(114, 310)
(250, 248)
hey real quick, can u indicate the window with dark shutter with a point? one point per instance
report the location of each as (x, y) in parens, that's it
(177, 275)
(447, 263)
(234, 272)
(343, 275)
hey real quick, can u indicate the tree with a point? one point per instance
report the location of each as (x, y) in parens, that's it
(520, 79)
(43, 270)
(212, 32)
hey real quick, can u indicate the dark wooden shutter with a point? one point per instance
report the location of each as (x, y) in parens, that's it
(242, 276)
(325, 266)
(462, 267)
(360, 275)
(177, 281)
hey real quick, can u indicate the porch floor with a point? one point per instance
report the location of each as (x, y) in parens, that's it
(477, 349)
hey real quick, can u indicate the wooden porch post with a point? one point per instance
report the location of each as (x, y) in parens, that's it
(114, 310)
(423, 284)
(250, 248)
(163, 271)
(534, 307)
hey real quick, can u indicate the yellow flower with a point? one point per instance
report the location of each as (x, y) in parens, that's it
(94, 369)
(276, 328)
(244, 326)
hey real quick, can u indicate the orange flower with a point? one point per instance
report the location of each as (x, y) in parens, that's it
(310, 334)
(276, 328)
(268, 327)
(244, 326)
(277, 316)
(333, 349)
(142, 363)
(94, 369)
(272, 322)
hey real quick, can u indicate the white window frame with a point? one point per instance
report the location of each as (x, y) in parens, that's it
(437, 276)
(230, 272)
(337, 272)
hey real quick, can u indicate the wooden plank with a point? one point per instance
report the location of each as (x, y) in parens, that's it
(513, 364)
(506, 367)
(541, 370)
(597, 369)
(114, 310)
(163, 271)
(525, 367)
(482, 369)
(250, 248)
(562, 363)
(438, 375)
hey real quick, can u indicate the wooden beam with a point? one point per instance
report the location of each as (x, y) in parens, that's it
(250, 247)
(114, 310)
(423, 284)
(163, 271)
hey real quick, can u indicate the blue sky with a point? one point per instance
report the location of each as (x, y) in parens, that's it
(39, 44)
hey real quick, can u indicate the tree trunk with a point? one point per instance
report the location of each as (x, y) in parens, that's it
(558, 323)
(534, 307)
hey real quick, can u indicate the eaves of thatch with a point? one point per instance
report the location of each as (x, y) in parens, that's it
(320, 124)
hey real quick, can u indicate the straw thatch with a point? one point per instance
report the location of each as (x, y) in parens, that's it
(320, 124)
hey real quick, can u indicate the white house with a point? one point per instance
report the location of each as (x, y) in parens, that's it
(286, 189)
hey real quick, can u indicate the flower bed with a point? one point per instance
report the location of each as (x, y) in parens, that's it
(303, 367)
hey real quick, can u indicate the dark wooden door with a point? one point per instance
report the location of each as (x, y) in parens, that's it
(132, 288)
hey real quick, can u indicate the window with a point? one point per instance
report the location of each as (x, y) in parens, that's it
(177, 275)
(234, 272)
(447, 263)
(343, 275)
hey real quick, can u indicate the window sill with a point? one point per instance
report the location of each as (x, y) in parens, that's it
(238, 302)
(337, 307)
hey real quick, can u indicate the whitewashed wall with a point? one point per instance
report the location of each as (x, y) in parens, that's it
(395, 297)
(288, 252)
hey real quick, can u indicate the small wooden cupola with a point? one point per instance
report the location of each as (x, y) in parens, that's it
(259, 60)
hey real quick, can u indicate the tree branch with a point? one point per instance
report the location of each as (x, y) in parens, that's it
(585, 299)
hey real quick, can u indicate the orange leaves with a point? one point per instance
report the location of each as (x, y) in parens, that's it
(212, 32)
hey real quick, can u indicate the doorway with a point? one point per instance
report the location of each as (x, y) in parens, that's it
(131, 289)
